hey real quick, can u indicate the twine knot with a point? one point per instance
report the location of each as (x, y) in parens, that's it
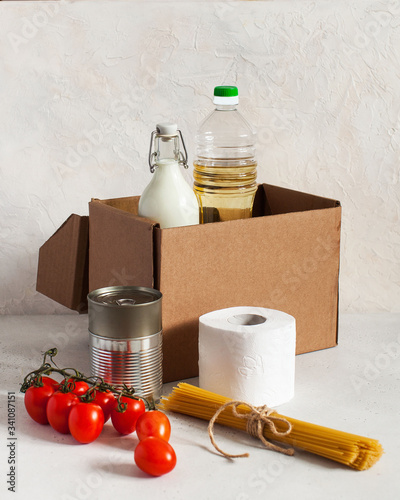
(257, 418)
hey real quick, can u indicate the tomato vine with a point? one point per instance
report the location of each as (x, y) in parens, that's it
(81, 405)
(71, 376)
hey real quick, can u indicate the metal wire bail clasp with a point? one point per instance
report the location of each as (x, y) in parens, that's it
(167, 132)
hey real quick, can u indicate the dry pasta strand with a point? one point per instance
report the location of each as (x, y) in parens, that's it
(355, 451)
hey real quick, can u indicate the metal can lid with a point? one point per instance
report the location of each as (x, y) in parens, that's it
(124, 311)
(124, 295)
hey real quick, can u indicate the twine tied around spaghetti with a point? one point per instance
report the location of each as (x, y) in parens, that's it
(257, 419)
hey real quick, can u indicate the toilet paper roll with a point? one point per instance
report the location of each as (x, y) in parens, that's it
(248, 353)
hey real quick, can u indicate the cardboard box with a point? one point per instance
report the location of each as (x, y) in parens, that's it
(286, 257)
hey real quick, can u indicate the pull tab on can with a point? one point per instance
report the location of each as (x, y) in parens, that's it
(167, 132)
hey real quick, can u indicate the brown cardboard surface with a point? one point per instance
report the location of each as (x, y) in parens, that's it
(63, 264)
(121, 245)
(287, 262)
(286, 257)
(273, 200)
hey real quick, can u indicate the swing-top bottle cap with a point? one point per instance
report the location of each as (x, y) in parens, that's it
(167, 133)
(167, 129)
(226, 94)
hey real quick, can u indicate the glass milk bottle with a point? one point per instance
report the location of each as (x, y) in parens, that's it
(168, 199)
(225, 164)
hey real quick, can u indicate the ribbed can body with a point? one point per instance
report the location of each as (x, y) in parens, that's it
(125, 338)
(134, 362)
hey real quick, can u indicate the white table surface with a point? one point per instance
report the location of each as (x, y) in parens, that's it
(353, 387)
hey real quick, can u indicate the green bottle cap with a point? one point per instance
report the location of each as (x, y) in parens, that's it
(226, 91)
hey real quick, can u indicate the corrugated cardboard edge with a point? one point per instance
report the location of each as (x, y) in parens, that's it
(63, 264)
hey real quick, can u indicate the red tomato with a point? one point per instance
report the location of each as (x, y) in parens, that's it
(86, 422)
(125, 422)
(50, 381)
(106, 401)
(78, 387)
(155, 456)
(35, 400)
(153, 423)
(58, 408)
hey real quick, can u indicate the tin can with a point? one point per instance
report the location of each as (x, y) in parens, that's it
(125, 332)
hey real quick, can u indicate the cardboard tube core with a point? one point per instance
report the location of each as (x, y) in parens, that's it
(247, 319)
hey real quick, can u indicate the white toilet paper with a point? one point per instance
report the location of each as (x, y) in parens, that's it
(248, 353)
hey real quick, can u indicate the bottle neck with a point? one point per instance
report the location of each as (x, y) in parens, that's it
(167, 149)
(225, 107)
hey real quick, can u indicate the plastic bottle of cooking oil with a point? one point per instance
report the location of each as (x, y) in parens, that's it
(168, 199)
(225, 167)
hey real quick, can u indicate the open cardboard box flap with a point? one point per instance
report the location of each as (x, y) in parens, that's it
(287, 261)
(63, 264)
(121, 244)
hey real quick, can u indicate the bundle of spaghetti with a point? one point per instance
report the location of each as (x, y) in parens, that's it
(355, 451)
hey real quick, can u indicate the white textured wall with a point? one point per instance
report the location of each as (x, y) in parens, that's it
(83, 84)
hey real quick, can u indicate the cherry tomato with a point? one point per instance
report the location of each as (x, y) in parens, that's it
(153, 423)
(106, 401)
(125, 422)
(155, 456)
(58, 408)
(86, 422)
(50, 381)
(35, 400)
(78, 387)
